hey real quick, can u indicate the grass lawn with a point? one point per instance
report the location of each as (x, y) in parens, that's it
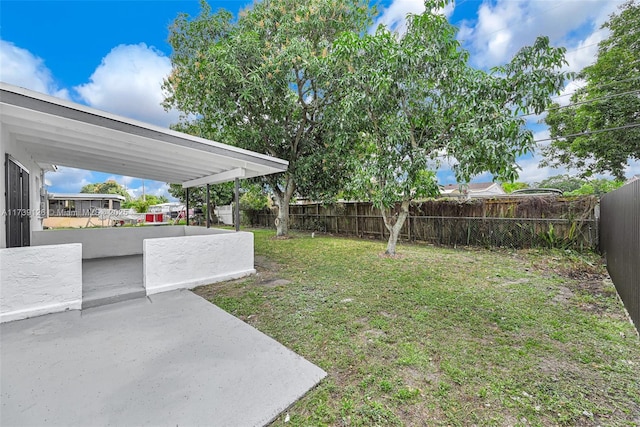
(442, 336)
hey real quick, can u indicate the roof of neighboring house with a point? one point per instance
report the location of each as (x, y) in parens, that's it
(167, 204)
(474, 187)
(85, 196)
(58, 132)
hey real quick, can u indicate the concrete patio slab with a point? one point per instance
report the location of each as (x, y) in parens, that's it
(172, 359)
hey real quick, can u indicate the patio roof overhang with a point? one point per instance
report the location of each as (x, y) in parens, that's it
(59, 132)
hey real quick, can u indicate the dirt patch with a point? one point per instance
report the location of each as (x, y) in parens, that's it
(267, 275)
(515, 282)
(587, 283)
(264, 264)
(555, 367)
(563, 296)
(389, 256)
(416, 378)
(273, 283)
(287, 237)
(371, 335)
(597, 287)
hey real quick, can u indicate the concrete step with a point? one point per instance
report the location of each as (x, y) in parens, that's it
(97, 299)
(111, 280)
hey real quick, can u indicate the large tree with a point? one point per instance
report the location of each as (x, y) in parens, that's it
(582, 133)
(108, 187)
(413, 99)
(260, 82)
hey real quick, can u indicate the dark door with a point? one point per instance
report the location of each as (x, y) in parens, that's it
(17, 203)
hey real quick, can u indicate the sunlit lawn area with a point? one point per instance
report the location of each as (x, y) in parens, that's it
(443, 336)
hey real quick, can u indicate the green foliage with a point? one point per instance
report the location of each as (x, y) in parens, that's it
(577, 186)
(609, 99)
(261, 83)
(155, 200)
(565, 183)
(219, 194)
(254, 199)
(107, 187)
(597, 187)
(412, 100)
(551, 239)
(142, 206)
(510, 187)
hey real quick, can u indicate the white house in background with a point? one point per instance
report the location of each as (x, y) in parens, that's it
(73, 210)
(81, 204)
(41, 270)
(476, 189)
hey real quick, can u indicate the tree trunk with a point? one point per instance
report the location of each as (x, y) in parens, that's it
(282, 202)
(211, 212)
(394, 223)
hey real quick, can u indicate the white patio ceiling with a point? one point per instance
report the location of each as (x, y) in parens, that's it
(63, 133)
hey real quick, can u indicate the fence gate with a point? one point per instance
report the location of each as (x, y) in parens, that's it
(620, 243)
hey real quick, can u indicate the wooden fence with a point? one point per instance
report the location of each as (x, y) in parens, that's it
(620, 243)
(517, 222)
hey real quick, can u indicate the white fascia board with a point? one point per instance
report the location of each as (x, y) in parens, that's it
(218, 178)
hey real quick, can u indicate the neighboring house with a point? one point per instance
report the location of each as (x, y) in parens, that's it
(477, 189)
(170, 209)
(81, 205)
(41, 271)
(79, 210)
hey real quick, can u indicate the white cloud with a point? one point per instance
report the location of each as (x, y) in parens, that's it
(128, 82)
(564, 98)
(532, 172)
(20, 67)
(585, 51)
(394, 16)
(154, 188)
(504, 26)
(632, 169)
(68, 180)
(125, 181)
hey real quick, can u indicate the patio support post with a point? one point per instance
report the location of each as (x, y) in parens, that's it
(237, 202)
(187, 205)
(208, 201)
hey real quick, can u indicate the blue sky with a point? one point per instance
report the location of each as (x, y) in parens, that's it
(113, 55)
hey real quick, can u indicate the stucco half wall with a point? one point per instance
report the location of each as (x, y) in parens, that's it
(47, 277)
(39, 280)
(193, 260)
